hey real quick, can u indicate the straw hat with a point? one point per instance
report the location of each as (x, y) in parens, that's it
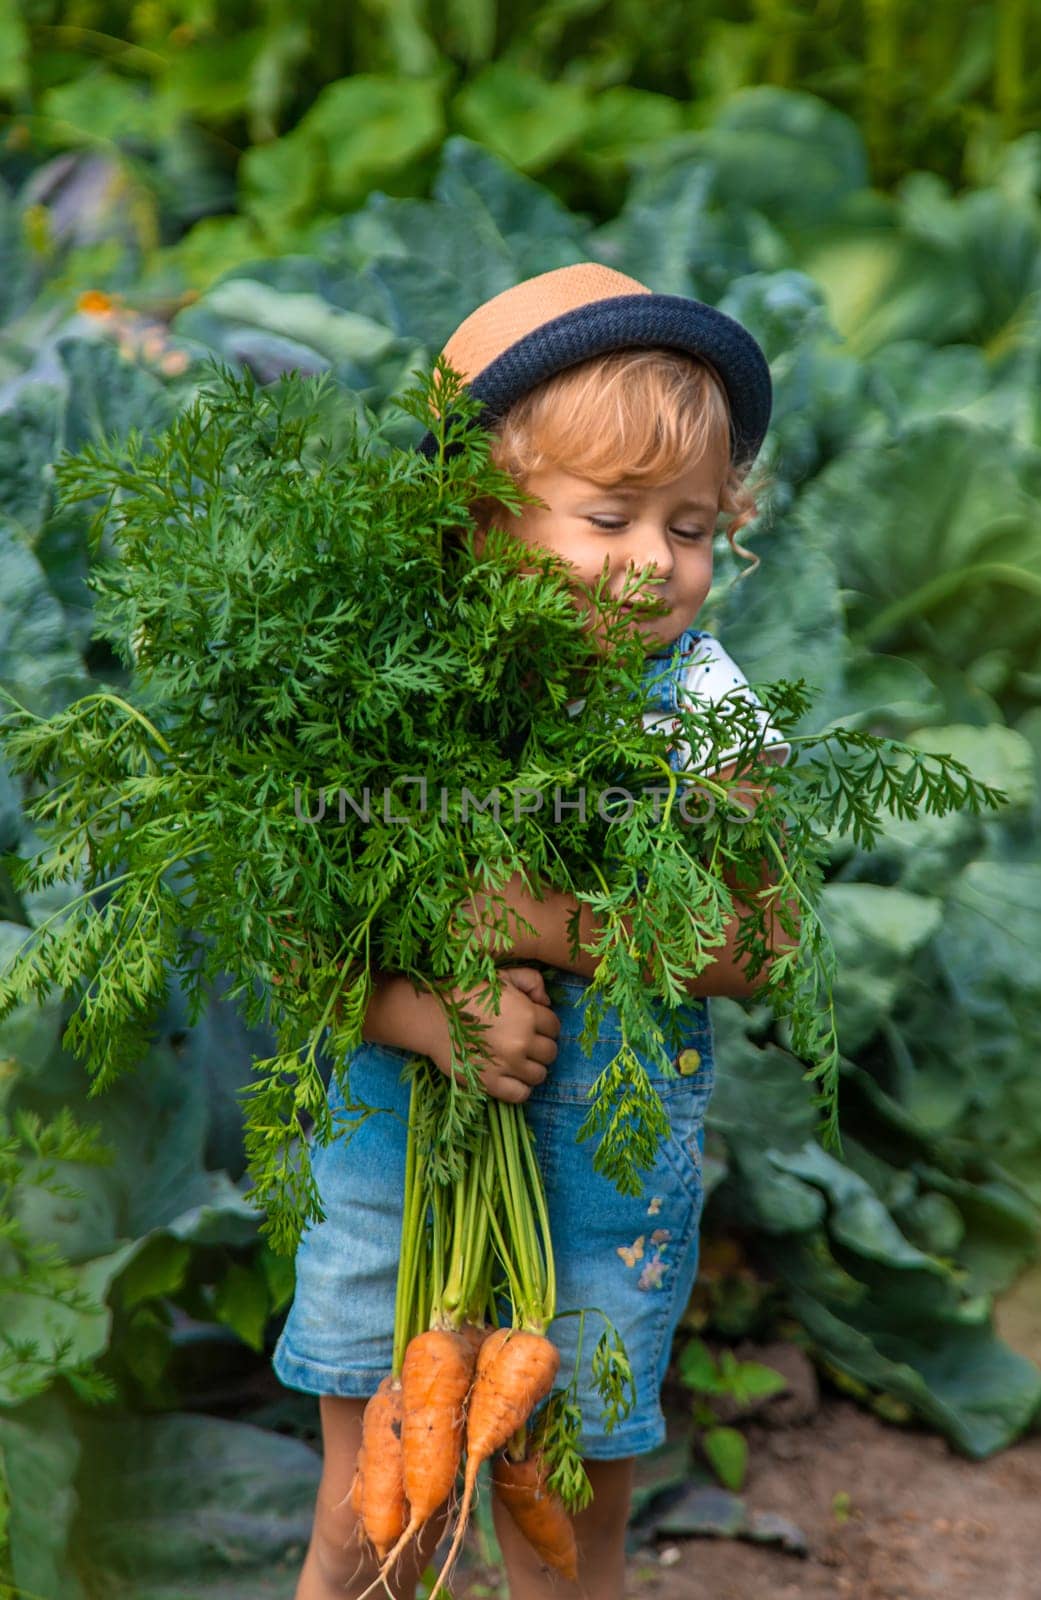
(526, 334)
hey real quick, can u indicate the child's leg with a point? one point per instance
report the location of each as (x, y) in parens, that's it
(600, 1534)
(337, 1566)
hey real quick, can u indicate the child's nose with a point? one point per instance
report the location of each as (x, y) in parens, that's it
(650, 549)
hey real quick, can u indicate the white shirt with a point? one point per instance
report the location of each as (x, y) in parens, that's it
(709, 676)
(713, 676)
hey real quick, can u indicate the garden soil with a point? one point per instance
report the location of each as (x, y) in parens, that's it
(923, 1522)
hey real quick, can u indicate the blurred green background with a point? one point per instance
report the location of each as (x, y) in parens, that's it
(319, 189)
(265, 121)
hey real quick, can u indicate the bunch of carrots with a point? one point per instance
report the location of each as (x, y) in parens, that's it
(459, 1385)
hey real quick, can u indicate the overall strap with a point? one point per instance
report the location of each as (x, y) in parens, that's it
(665, 671)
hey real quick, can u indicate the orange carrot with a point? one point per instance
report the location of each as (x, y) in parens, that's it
(515, 1370)
(357, 1484)
(539, 1515)
(383, 1481)
(436, 1376)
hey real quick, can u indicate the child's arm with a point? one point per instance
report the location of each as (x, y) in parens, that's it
(400, 1015)
(550, 916)
(518, 1041)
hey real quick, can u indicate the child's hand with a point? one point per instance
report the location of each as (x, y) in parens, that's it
(519, 1043)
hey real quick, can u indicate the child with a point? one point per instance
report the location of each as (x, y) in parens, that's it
(634, 417)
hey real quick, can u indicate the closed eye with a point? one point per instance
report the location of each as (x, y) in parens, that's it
(692, 534)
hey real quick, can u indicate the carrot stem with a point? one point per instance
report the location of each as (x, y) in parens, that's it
(469, 1240)
(538, 1195)
(409, 1291)
(523, 1213)
(516, 1256)
(502, 1247)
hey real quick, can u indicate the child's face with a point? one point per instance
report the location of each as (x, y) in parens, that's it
(663, 532)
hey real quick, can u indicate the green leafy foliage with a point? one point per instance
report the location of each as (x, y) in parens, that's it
(727, 1451)
(742, 1381)
(41, 1455)
(558, 1441)
(54, 1320)
(194, 1504)
(613, 1377)
(316, 108)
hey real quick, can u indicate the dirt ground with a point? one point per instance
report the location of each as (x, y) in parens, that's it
(922, 1522)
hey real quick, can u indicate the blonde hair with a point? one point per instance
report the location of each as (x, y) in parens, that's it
(644, 415)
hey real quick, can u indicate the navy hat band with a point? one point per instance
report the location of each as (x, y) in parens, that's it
(635, 321)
